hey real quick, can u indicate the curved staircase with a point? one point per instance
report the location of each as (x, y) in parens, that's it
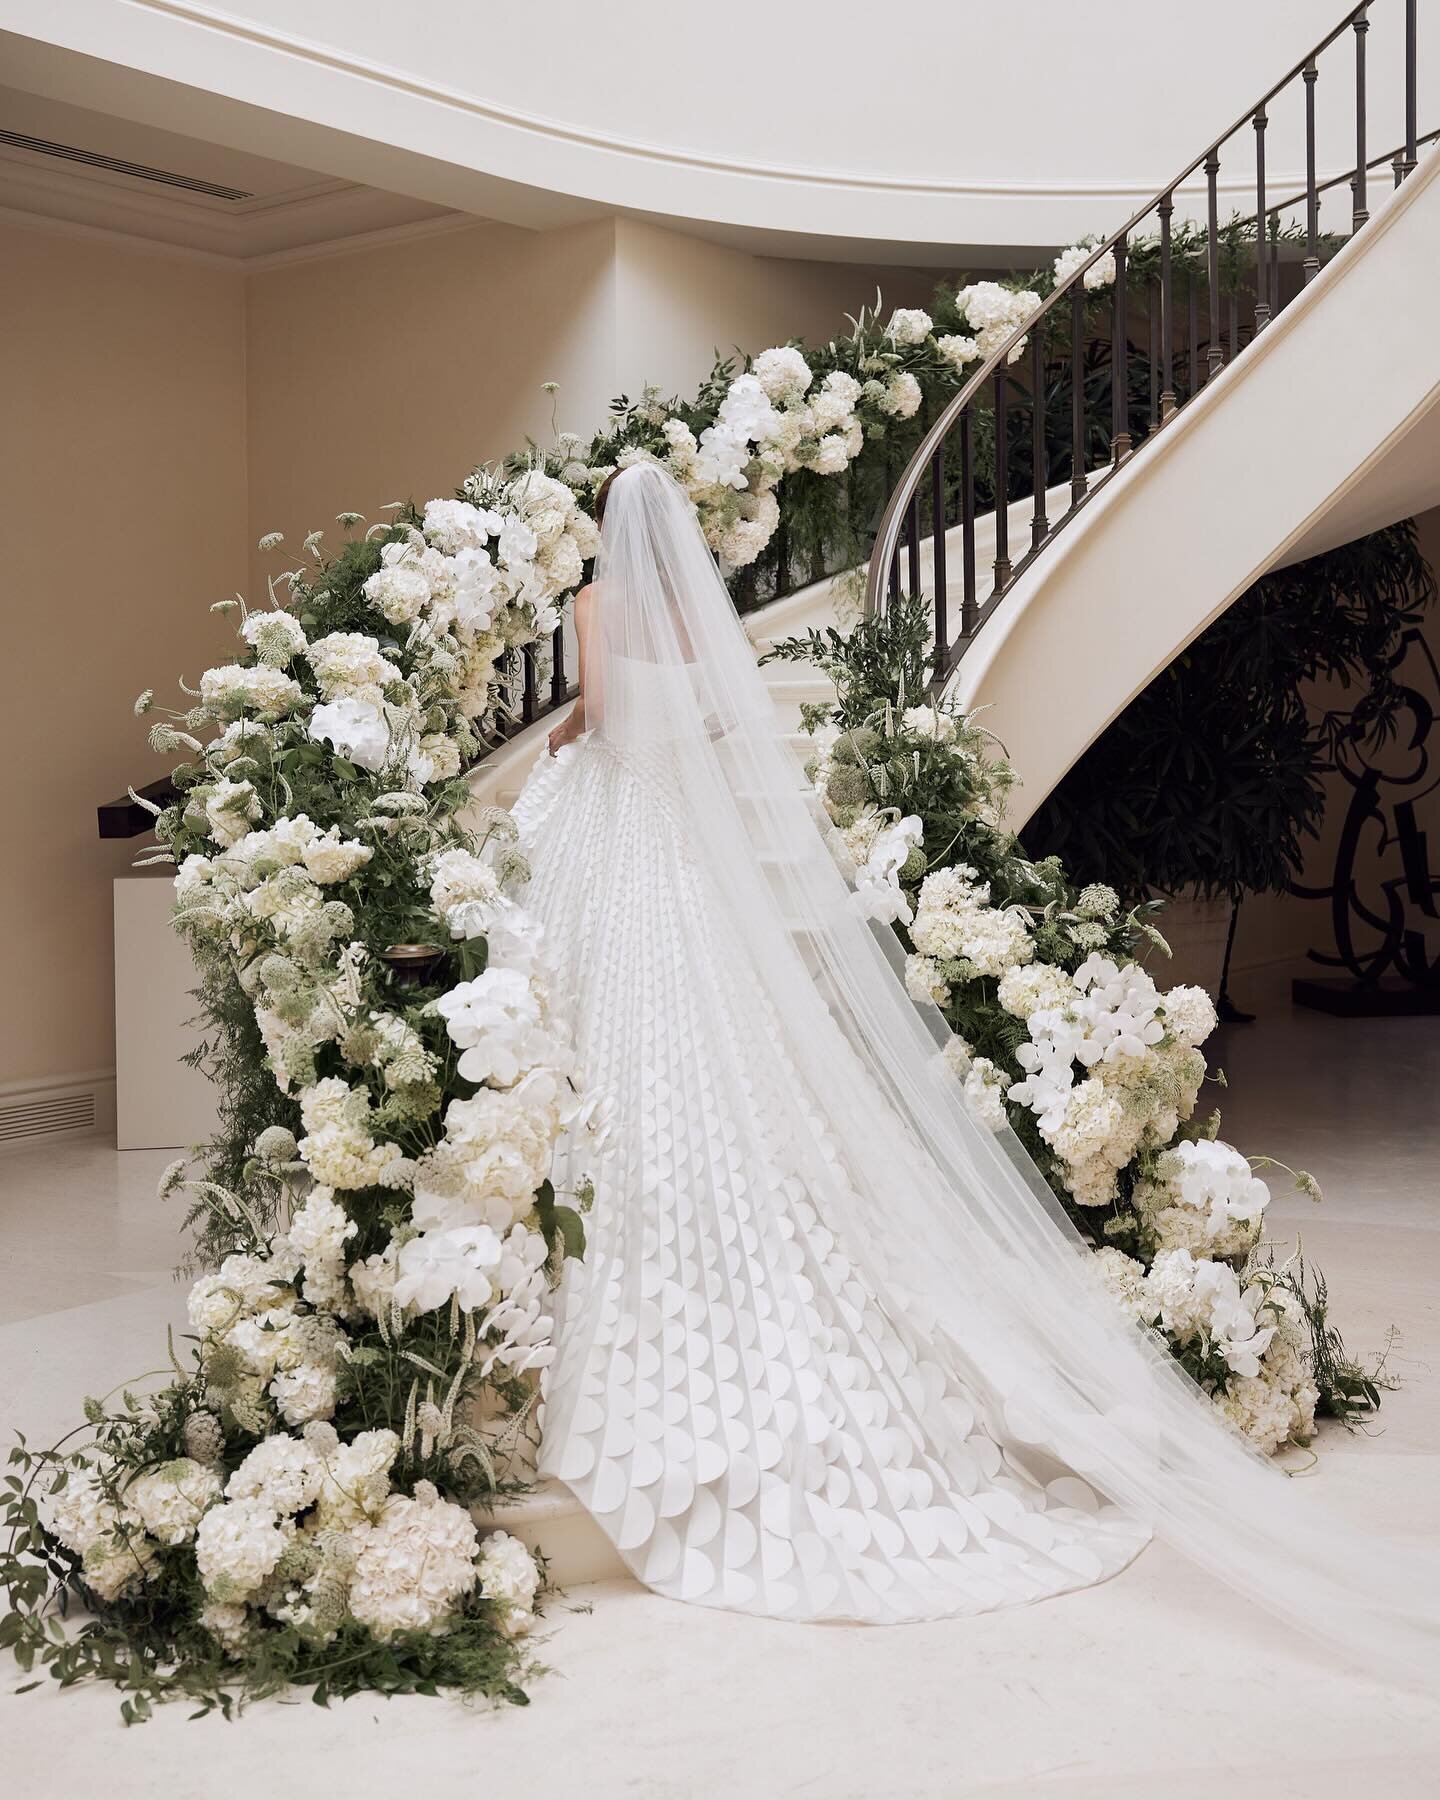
(1320, 426)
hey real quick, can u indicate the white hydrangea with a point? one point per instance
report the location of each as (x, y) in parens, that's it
(110, 1540)
(985, 1088)
(231, 808)
(228, 1625)
(349, 664)
(275, 637)
(902, 395)
(305, 1393)
(237, 1547)
(283, 1472)
(338, 1146)
(455, 525)
(1100, 275)
(267, 692)
(930, 722)
(508, 1575)
(1189, 1013)
(485, 1171)
(172, 1499)
(783, 374)
(923, 981)
(357, 1478)
(463, 890)
(330, 858)
(1030, 987)
(413, 1564)
(958, 350)
(317, 1236)
(908, 325)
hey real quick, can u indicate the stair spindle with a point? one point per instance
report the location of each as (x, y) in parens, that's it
(1312, 197)
(1039, 524)
(912, 533)
(969, 611)
(1167, 323)
(1002, 487)
(1262, 273)
(1079, 480)
(1361, 211)
(1119, 364)
(1215, 350)
(1193, 297)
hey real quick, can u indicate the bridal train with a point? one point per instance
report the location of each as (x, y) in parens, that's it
(835, 1352)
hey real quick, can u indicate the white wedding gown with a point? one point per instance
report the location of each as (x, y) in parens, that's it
(731, 1401)
(834, 1351)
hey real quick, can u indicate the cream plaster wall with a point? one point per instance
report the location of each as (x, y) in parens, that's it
(163, 413)
(122, 466)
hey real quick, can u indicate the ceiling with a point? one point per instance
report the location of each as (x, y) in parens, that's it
(268, 211)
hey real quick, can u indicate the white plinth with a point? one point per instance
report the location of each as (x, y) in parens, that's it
(159, 1103)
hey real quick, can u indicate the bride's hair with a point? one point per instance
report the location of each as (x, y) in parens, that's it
(602, 494)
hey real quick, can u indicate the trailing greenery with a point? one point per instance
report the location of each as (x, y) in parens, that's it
(996, 937)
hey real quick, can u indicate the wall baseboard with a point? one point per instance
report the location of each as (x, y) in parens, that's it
(57, 1106)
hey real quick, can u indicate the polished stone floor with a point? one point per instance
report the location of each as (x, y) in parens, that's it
(1156, 1683)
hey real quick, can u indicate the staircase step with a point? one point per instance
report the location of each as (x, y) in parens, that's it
(551, 1519)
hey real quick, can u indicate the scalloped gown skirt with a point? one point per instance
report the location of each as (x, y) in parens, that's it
(746, 1422)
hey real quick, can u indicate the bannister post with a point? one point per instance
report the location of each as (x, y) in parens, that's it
(1167, 321)
(1002, 486)
(1039, 524)
(1119, 364)
(1312, 197)
(1361, 211)
(1215, 350)
(1262, 273)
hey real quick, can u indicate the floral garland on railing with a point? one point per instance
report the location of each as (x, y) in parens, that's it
(293, 1505)
(1064, 1036)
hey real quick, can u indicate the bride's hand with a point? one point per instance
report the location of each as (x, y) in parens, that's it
(564, 733)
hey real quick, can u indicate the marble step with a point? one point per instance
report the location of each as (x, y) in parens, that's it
(549, 1518)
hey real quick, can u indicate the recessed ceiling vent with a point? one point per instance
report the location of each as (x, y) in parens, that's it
(117, 165)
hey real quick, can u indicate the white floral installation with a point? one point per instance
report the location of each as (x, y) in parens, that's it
(295, 1504)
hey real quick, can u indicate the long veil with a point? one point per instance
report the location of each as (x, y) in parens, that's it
(950, 1222)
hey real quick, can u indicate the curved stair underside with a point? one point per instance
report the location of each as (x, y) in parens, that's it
(1325, 428)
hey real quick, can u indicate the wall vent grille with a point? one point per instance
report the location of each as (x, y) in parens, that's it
(93, 159)
(45, 1115)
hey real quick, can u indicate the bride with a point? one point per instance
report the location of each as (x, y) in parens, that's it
(834, 1352)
